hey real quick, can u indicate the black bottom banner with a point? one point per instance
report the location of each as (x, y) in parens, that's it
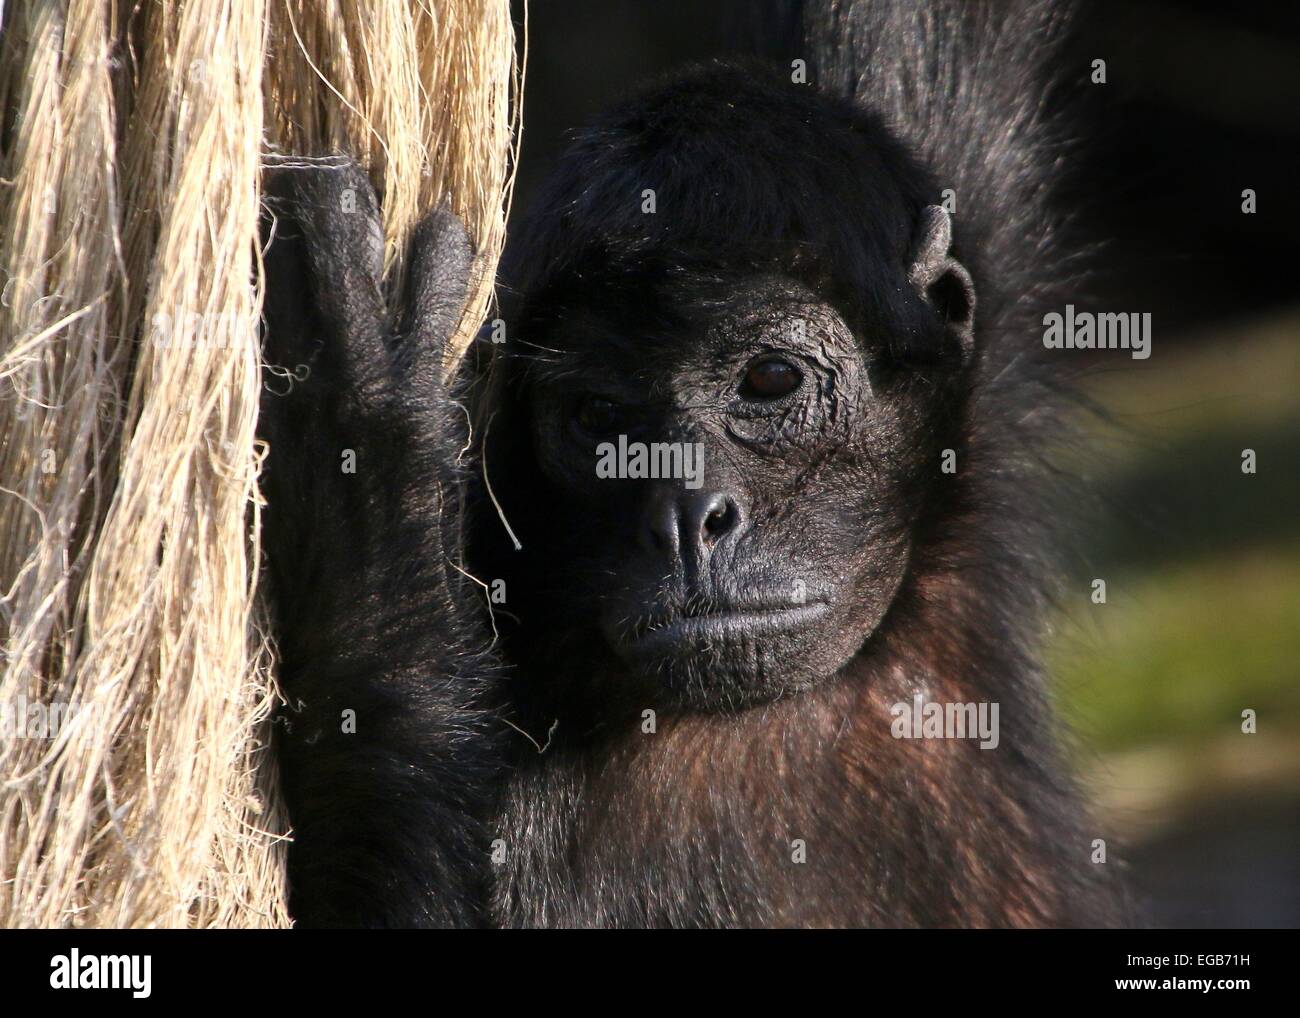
(265, 969)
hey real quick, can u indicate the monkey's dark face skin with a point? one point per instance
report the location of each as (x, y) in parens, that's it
(766, 570)
(772, 329)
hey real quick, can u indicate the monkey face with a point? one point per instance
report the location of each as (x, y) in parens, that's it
(726, 401)
(727, 499)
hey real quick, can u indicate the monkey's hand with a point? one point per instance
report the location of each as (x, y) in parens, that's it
(385, 751)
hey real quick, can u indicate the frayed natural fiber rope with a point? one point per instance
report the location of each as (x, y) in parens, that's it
(420, 93)
(136, 788)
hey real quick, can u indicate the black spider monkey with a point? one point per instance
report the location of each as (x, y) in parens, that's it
(688, 717)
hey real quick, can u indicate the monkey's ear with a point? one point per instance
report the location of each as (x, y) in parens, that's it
(940, 279)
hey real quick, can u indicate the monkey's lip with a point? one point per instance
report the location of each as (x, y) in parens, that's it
(724, 625)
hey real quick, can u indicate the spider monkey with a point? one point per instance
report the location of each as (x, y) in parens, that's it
(687, 714)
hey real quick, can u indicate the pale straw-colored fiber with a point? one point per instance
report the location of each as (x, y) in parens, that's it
(136, 691)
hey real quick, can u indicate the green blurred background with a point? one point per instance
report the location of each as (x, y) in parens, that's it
(1201, 622)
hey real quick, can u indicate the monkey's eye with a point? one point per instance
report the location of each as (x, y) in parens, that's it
(770, 379)
(597, 416)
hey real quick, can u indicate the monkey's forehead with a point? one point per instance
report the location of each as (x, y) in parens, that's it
(694, 302)
(735, 327)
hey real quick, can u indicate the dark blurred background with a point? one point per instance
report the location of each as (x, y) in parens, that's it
(1202, 562)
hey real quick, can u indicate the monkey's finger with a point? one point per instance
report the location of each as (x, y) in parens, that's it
(290, 338)
(441, 261)
(324, 265)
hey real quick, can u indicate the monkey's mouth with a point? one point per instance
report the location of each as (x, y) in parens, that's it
(718, 625)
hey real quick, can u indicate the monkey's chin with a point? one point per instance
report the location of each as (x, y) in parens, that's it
(730, 660)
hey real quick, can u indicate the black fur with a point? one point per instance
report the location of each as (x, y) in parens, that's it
(372, 614)
(777, 203)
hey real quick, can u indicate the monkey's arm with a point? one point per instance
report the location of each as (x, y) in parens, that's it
(385, 750)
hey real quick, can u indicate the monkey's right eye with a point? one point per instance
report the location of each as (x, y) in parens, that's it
(597, 416)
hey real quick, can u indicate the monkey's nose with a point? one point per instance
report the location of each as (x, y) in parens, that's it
(691, 524)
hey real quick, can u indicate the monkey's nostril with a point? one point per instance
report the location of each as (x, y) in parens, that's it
(660, 529)
(718, 515)
(719, 519)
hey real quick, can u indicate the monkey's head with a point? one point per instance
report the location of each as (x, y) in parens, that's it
(733, 362)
